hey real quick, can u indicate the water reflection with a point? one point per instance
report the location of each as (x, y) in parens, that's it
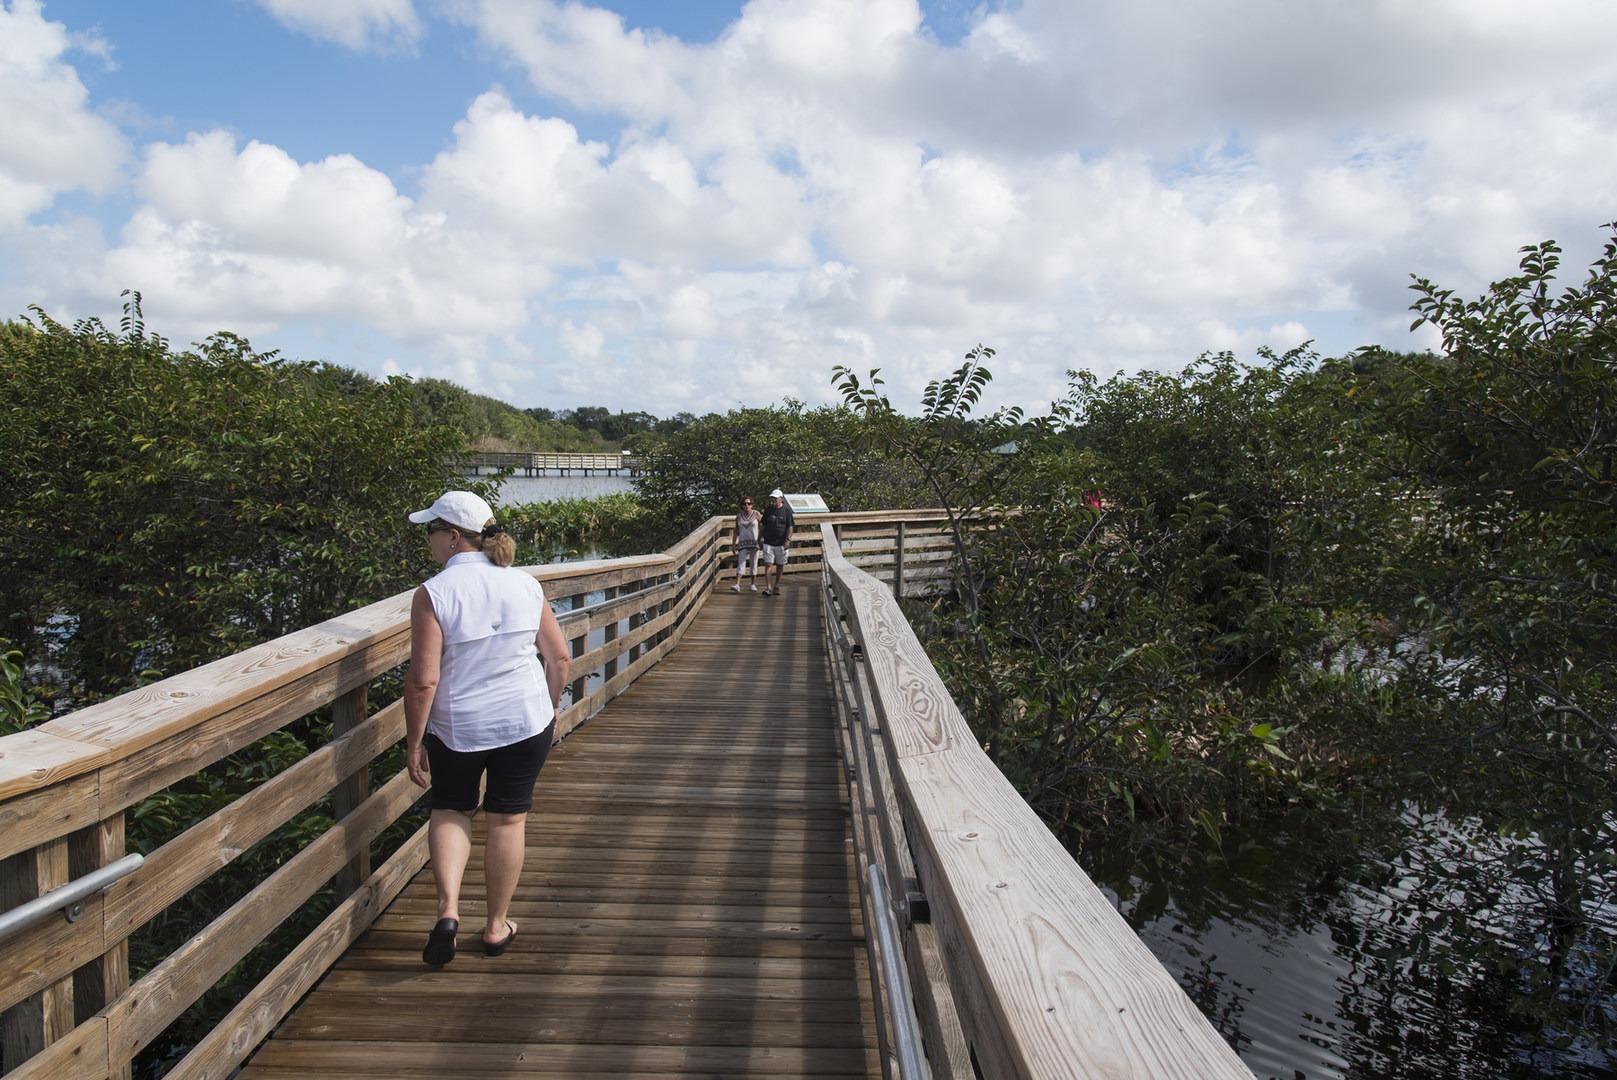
(1415, 949)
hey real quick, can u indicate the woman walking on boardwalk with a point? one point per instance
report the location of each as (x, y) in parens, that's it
(746, 544)
(478, 701)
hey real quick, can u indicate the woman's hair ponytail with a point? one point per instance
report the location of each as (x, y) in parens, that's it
(499, 545)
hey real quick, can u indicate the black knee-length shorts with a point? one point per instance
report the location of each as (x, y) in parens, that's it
(512, 773)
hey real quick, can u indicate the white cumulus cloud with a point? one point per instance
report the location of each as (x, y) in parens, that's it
(52, 141)
(614, 215)
(358, 24)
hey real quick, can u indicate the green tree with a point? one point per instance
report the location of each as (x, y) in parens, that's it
(1156, 653)
(1268, 447)
(675, 423)
(166, 508)
(1503, 449)
(20, 706)
(492, 425)
(1502, 591)
(963, 463)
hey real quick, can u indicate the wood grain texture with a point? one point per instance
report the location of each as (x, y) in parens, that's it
(45, 1015)
(228, 1044)
(80, 1055)
(1072, 985)
(50, 951)
(184, 862)
(39, 817)
(30, 760)
(914, 707)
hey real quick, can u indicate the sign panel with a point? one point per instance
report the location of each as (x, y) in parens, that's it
(807, 504)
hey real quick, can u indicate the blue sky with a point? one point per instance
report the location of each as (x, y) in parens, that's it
(691, 206)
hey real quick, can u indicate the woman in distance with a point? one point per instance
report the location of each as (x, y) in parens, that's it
(746, 544)
(478, 701)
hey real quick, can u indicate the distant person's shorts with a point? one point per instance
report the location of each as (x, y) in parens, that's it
(774, 554)
(512, 773)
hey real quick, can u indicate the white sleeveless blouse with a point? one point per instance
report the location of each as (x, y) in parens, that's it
(491, 682)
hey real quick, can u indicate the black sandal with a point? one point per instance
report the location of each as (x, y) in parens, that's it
(441, 943)
(495, 948)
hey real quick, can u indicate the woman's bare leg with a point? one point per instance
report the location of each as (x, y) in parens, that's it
(449, 844)
(502, 866)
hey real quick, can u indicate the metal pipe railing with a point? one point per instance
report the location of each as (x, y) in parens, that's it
(67, 898)
(906, 1028)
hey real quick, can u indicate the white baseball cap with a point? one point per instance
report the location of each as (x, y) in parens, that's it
(462, 509)
(777, 494)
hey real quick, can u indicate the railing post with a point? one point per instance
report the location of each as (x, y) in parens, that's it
(610, 633)
(661, 610)
(636, 617)
(37, 1021)
(347, 713)
(898, 565)
(100, 981)
(579, 645)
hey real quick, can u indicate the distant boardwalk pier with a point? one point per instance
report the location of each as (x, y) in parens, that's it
(556, 464)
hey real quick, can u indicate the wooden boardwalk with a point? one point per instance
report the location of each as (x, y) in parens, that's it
(688, 906)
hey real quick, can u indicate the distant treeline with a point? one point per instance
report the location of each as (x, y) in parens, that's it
(494, 425)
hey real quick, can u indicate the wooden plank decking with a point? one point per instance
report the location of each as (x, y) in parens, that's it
(687, 907)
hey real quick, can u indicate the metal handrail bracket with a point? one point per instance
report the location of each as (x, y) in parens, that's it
(68, 898)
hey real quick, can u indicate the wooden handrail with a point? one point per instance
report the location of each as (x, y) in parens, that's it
(1045, 977)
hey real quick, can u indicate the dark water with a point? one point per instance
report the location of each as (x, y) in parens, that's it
(1407, 952)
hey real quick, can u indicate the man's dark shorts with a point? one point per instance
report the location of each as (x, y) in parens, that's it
(512, 773)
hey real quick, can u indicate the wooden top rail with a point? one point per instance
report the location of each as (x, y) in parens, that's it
(1046, 978)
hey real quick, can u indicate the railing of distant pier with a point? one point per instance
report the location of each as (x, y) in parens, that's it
(535, 464)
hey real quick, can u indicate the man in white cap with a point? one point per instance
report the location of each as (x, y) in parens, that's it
(777, 538)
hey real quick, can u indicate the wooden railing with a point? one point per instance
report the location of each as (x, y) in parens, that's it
(1016, 960)
(911, 548)
(65, 786)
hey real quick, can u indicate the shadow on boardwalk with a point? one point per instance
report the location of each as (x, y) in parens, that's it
(687, 906)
